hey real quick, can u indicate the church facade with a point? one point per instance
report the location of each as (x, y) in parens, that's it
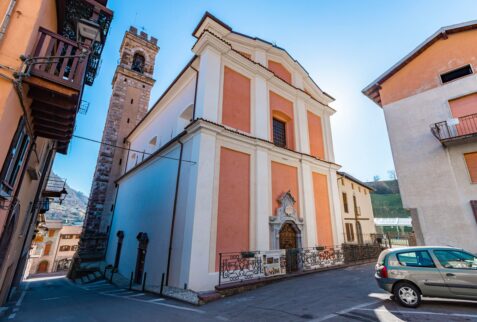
(235, 156)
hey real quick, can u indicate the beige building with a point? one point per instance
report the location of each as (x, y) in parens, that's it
(53, 248)
(356, 209)
(429, 99)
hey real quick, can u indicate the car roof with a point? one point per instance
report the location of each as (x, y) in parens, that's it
(394, 250)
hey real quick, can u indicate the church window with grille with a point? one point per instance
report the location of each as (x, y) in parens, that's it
(279, 133)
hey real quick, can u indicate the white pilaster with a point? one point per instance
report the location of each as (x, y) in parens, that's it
(208, 88)
(302, 126)
(263, 207)
(308, 206)
(199, 277)
(336, 214)
(261, 110)
(329, 151)
(298, 79)
(261, 57)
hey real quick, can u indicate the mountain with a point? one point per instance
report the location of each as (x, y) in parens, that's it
(386, 200)
(73, 208)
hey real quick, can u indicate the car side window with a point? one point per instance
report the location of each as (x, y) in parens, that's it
(419, 258)
(456, 259)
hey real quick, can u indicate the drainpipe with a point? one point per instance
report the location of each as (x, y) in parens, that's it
(171, 236)
(6, 19)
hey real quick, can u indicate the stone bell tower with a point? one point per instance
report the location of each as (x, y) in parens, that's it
(132, 83)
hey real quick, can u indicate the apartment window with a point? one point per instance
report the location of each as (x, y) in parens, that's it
(456, 73)
(352, 186)
(65, 248)
(67, 236)
(359, 189)
(51, 233)
(15, 158)
(77, 236)
(471, 161)
(279, 133)
(345, 202)
(74, 247)
(349, 232)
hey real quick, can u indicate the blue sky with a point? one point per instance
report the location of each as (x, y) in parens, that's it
(344, 45)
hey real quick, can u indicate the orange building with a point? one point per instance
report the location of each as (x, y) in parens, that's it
(49, 49)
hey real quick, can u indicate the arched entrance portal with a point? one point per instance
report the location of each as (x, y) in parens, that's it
(42, 267)
(288, 236)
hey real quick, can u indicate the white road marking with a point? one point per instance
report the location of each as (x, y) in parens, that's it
(52, 298)
(155, 300)
(221, 318)
(179, 307)
(139, 294)
(20, 300)
(333, 315)
(421, 312)
(11, 316)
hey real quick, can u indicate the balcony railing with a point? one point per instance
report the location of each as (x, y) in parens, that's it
(59, 60)
(459, 129)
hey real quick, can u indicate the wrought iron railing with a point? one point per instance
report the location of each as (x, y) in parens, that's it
(239, 267)
(58, 59)
(463, 127)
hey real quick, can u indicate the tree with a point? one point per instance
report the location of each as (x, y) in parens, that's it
(376, 178)
(392, 174)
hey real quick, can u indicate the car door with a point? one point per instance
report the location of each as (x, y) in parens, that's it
(459, 271)
(418, 267)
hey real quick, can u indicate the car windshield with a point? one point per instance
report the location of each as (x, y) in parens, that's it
(456, 259)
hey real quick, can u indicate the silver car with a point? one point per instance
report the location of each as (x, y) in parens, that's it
(412, 272)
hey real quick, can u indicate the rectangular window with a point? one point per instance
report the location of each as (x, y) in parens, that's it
(51, 233)
(64, 248)
(456, 73)
(456, 259)
(67, 236)
(349, 232)
(415, 259)
(355, 205)
(279, 133)
(471, 161)
(14, 159)
(345, 202)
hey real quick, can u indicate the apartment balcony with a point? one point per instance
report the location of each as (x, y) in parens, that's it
(456, 131)
(55, 75)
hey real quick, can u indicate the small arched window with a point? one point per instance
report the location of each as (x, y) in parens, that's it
(138, 63)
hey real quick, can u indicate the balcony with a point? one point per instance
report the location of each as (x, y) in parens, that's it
(456, 131)
(55, 75)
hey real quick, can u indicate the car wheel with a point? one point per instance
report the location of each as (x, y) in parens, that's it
(407, 295)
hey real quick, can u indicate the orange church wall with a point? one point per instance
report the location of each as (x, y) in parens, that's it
(236, 100)
(322, 210)
(315, 133)
(423, 72)
(284, 178)
(282, 109)
(280, 70)
(233, 214)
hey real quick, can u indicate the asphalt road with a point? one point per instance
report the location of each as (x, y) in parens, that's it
(348, 294)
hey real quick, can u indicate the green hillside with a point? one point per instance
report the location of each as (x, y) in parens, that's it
(386, 200)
